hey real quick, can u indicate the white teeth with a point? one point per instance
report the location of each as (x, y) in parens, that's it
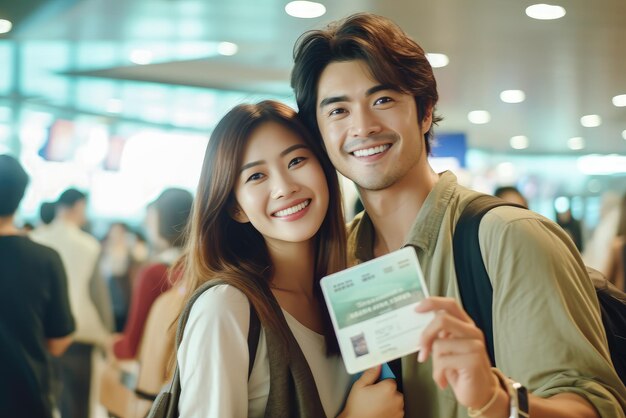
(293, 209)
(371, 151)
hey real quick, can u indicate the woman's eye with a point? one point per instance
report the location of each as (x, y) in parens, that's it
(337, 111)
(383, 100)
(296, 161)
(254, 177)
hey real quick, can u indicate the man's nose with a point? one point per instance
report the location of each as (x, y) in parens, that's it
(364, 123)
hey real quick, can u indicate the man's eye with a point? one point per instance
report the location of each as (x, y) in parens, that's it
(296, 161)
(383, 100)
(337, 111)
(255, 177)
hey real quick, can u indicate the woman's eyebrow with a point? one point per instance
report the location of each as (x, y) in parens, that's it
(282, 154)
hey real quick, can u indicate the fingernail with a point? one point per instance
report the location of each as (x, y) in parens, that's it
(420, 356)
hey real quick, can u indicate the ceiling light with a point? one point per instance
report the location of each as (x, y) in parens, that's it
(5, 26)
(576, 143)
(561, 204)
(619, 101)
(519, 142)
(591, 121)
(227, 48)
(141, 56)
(437, 60)
(512, 96)
(305, 9)
(545, 11)
(602, 164)
(479, 117)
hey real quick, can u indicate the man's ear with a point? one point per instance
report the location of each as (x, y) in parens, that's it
(427, 120)
(238, 215)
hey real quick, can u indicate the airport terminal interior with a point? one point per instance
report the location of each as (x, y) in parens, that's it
(118, 99)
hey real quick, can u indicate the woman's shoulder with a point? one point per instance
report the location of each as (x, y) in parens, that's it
(220, 301)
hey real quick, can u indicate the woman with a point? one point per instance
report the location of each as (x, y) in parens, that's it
(267, 222)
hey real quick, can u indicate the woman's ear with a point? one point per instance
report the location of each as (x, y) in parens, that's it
(238, 215)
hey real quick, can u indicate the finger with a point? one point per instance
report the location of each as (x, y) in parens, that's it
(389, 385)
(453, 346)
(437, 303)
(368, 377)
(445, 326)
(468, 364)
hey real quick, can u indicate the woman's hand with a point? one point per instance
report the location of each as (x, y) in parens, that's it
(370, 399)
(459, 355)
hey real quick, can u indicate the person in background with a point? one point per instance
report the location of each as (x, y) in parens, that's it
(89, 301)
(616, 270)
(35, 317)
(116, 265)
(369, 93)
(165, 222)
(267, 223)
(595, 253)
(570, 225)
(511, 194)
(166, 219)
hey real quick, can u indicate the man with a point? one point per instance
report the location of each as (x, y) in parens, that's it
(370, 93)
(35, 316)
(511, 194)
(79, 252)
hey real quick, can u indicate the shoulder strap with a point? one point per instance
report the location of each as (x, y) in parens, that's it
(472, 278)
(253, 340)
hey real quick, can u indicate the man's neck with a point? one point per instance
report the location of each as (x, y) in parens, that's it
(394, 209)
(7, 226)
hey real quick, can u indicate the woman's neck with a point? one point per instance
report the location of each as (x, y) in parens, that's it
(293, 282)
(293, 267)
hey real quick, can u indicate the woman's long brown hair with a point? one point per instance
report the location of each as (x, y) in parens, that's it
(218, 247)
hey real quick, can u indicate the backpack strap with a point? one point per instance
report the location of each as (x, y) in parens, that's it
(472, 278)
(253, 341)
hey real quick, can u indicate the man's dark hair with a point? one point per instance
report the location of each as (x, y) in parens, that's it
(13, 182)
(70, 197)
(173, 207)
(393, 58)
(47, 211)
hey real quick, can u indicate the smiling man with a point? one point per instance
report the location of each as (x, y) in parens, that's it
(369, 92)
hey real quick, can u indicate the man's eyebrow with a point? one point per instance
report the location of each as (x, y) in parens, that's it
(282, 154)
(380, 87)
(330, 100)
(373, 90)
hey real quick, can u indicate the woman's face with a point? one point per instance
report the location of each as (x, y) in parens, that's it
(281, 188)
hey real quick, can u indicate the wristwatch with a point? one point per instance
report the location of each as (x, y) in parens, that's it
(518, 395)
(520, 409)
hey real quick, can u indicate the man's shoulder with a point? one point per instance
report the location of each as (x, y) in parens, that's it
(37, 251)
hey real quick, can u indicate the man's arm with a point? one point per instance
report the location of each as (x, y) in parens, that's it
(57, 346)
(460, 359)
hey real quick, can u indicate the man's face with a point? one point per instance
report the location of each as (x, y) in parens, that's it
(79, 212)
(370, 131)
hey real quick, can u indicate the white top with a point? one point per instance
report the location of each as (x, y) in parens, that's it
(79, 252)
(213, 361)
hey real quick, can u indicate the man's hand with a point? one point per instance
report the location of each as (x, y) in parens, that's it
(459, 355)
